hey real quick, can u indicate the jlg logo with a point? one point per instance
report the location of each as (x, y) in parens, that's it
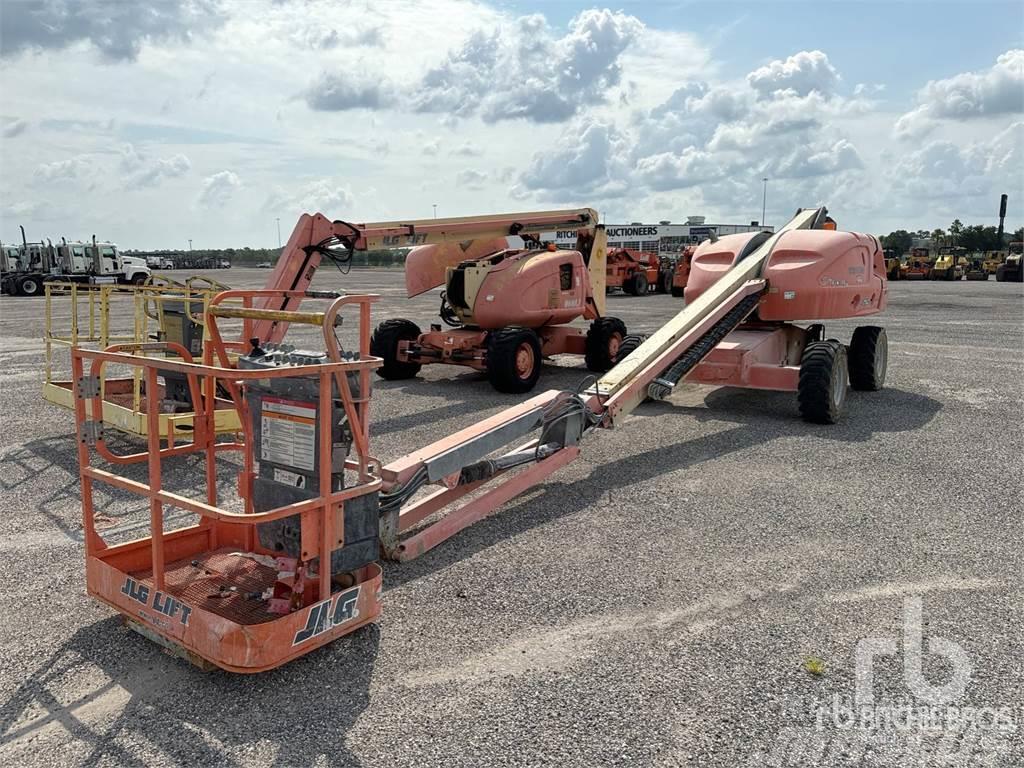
(329, 614)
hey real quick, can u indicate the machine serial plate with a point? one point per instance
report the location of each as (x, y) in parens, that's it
(289, 433)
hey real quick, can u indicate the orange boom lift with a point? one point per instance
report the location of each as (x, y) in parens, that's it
(289, 563)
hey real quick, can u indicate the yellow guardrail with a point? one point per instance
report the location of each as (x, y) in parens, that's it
(96, 316)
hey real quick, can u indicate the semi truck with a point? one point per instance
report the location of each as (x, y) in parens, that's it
(27, 267)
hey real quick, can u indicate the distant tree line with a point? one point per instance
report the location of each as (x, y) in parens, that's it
(975, 238)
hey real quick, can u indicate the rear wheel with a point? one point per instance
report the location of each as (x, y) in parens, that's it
(821, 392)
(513, 360)
(868, 358)
(384, 344)
(627, 346)
(678, 291)
(604, 338)
(30, 286)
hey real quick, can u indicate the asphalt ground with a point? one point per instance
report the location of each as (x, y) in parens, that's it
(693, 590)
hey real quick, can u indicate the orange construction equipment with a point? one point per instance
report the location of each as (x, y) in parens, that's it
(681, 271)
(508, 306)
(295, 567)
(637, 272)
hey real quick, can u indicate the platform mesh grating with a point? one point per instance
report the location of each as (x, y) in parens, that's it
(199, 585)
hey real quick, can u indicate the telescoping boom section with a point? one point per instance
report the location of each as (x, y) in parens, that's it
(294, 565)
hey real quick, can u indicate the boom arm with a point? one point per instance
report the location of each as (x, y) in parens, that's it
(448, 241)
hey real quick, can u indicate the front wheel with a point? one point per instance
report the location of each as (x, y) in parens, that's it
(604, 338)
(640, 284)
(384, 344)
(513, 360)
(30, 286)
(139, 279)
(821, 391)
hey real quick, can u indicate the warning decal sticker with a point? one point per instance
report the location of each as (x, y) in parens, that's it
(288, 432)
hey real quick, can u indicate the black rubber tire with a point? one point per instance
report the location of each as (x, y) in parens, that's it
(664, 282)
(628, 287)
(384, 344)
(30, 286)
(1000, 274)
(678, 292)
(640, 284)
(604, 338)
(503, 351)
(627, 346)
(868, 358)
(821, 392)
(140, 279)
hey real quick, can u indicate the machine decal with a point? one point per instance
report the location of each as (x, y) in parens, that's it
(831, 282)
(162, 603)
(289, 433)
(399, 240)
(289, 478)
(328, 614)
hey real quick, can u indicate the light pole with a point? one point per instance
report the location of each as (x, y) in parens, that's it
(764, 201)
(190, 245)
(435, 210)
(278, 220)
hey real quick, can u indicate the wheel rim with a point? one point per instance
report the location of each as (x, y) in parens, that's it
(838, 385)
(881, 358)
(614, 343)
(525, 360)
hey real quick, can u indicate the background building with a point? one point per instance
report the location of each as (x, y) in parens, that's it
(664, 237)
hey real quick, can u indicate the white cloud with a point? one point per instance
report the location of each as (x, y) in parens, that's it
(589, 157)
(117, 29)
(470, 178)
(468, 149)
(218, 189)
(995, 91)
(801, 73)
(341, 91)
(777, 123)
(14, 128)
(72, 168)
(141, 171)
(321, 196)
(943, 170)
(518, 69)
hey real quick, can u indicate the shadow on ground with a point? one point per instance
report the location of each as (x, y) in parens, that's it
(131, 703)
(760, 416)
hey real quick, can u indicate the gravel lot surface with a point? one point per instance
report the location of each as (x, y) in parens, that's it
(665, 600)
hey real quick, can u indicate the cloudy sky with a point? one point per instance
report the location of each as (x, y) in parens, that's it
(150, 122)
